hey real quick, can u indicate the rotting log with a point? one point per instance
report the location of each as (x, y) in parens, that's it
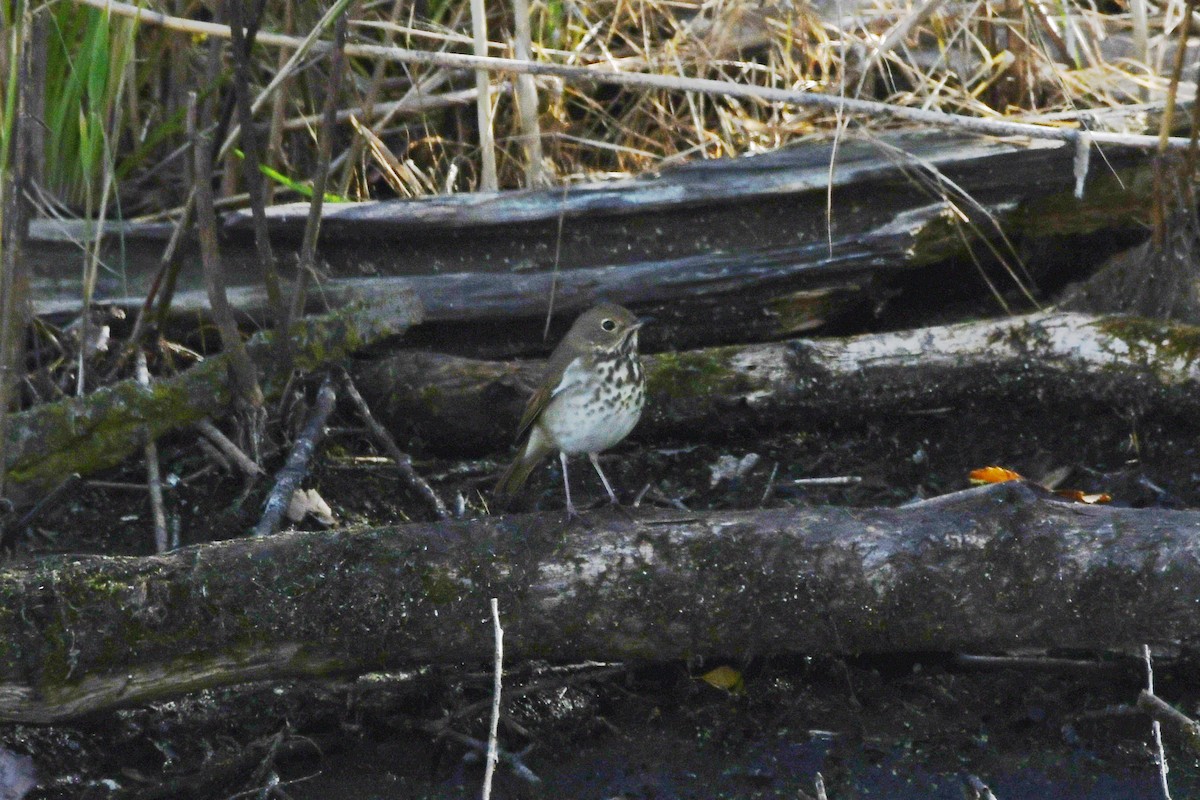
(990, 569)
(446, 404)
(720, 251)
(85, 434)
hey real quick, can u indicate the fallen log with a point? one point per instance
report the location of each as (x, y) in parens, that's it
(452, 405)
(84, 434)
(719, 251)
(983, 570)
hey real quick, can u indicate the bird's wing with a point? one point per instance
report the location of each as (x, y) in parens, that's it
(572, 375)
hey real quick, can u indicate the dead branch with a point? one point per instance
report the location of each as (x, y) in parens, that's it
(287, 480)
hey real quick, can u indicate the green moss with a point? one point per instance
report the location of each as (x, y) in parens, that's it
(431, 397)
(441, 587)
(690, 374)
(1158, 344)
(1111, 199)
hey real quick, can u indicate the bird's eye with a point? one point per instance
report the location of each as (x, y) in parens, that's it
(608, 325)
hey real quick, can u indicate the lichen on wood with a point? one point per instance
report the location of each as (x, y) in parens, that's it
(85, 434)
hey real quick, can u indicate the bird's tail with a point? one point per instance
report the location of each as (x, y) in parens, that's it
(518, 471)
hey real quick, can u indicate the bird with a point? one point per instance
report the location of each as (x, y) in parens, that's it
(589, 399)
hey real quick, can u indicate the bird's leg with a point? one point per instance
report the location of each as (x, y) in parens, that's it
(612, 496)
(571, 512)
(595, 459)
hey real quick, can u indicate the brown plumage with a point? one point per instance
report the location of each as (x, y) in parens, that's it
(589, 399)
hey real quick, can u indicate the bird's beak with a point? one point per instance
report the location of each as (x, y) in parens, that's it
(642, 321)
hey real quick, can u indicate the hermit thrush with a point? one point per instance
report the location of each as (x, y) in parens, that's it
(589, 399)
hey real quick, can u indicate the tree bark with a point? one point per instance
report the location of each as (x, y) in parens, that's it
(451, 405)
(987, 569)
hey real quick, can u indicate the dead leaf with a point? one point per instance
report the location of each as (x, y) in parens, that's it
(1077, 496)
(309, 501)
(725, 677)
(980, 477)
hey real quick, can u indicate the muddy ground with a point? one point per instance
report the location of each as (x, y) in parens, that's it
(908, 726)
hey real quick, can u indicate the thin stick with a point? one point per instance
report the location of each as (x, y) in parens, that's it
(1163, 711)
(527, 98)
(600, 74)
(490, 769)
(244, 372)
(302, 47)
(1156, 726)
(384, 440)
(48, 502)
(1141, 38)
(483, 104)
(293, 471)
(841, 480)
(231, 451)
(153, 473)
(312, 226)
(255, 184)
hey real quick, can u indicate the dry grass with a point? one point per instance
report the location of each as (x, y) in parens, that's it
(1014, 58)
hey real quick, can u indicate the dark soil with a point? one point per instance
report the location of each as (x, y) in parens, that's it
(909, 726)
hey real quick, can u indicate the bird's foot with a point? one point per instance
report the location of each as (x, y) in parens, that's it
(574, 516)
(615, 505)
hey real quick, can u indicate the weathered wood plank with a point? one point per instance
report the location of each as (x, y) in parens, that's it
(720, 251)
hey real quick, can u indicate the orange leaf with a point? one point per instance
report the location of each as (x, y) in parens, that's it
(1077, 496)
(979, 477)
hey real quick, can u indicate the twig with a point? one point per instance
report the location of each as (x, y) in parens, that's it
(214, 273)
(498, 668)
(512, 760)
(292, 472)
(153, 473)
(384, 440)
(841, 480)
(230, 450)
(312, 226)
(991, 127)
(416, 104)
(45, 504)
(770, 487)
(1162, 711)
(1155, 726)
(215, 456)
(483, 103)
(255, 183)
(1038, 663)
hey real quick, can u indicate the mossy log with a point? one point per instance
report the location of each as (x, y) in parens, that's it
(85, 434)
(451, 405)
(983, 570)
